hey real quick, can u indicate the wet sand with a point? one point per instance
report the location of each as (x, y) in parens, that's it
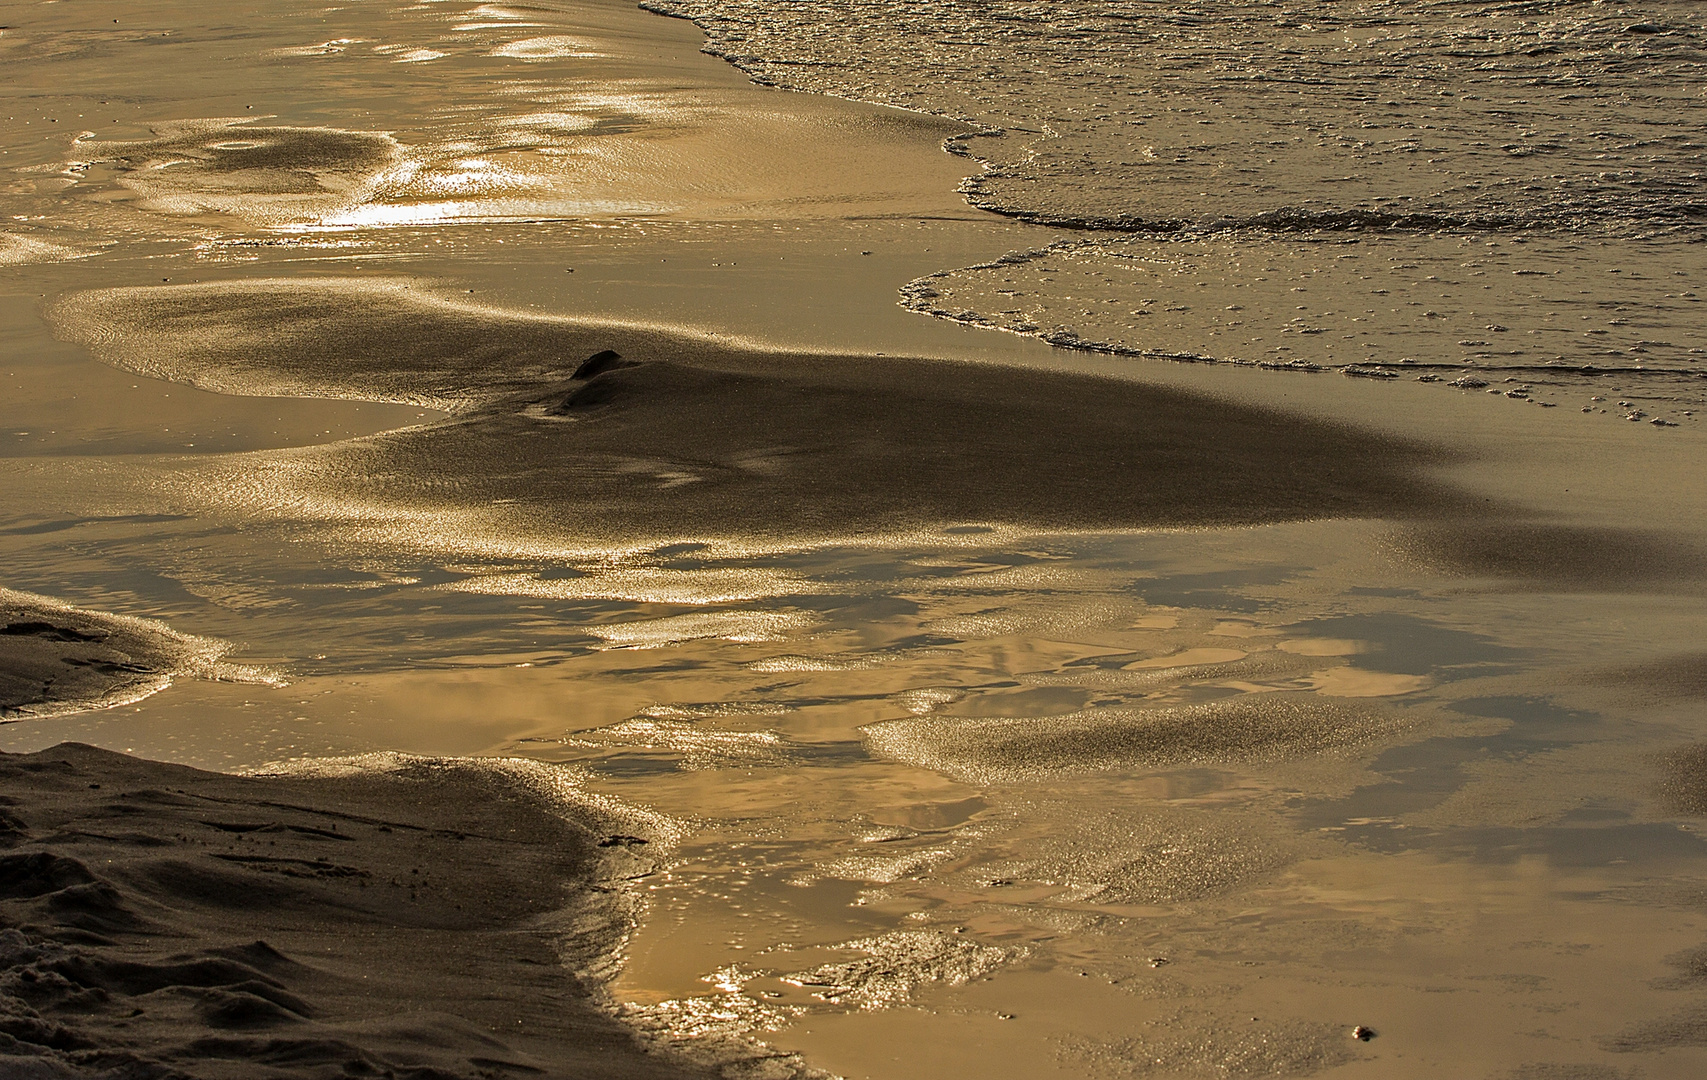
(57, 659)
(425, 918)
(680, 439)
(1033, 711)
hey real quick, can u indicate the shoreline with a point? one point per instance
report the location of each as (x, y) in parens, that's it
(1171, 699)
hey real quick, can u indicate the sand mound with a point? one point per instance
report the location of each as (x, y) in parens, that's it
(417, 920)
(691, 436)
(56, 659)
(1540, 554)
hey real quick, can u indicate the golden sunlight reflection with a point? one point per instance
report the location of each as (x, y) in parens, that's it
(499, 420)
(550, 47)
(645, 584)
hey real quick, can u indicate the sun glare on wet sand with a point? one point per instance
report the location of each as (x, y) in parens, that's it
(925, 541)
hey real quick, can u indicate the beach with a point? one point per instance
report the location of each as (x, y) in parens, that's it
(850, 541)
(164, 921)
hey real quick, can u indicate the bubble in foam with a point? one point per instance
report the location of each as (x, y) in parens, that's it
(700, 747)
(896, 964)
(791, 662)
(1204, 1044)
(877, 869)
(1150, 855)
(644, 585)
(18, 250)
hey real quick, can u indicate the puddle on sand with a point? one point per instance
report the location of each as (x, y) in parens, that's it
(1131, 908)
(978, 776)
(1216, 912)
(968, 802)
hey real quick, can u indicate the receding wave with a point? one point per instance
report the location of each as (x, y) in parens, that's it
(1140, 114)
(1598, 324)
(1206, 143)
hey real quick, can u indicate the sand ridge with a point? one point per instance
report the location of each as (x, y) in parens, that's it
(696, 436)
(56, 659)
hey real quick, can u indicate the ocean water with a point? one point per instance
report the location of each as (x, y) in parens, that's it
(1045, 709)
(1509, 192)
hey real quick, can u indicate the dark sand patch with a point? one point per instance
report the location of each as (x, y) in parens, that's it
(233, 165)
(242, 146)
(1691, 968)
(1544, 1070)
(1672, 678)
(55, 658)
(426, 921)
(1005, 750)
(1543, 555)
(1687, 1028)
(690, 436)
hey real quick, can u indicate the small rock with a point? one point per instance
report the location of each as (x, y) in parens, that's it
(598, 363)
(1468, 382)
(1362, 1034)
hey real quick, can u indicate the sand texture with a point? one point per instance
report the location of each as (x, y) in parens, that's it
(881, 573)
(688, 436)
(55, 658)
(160, 921)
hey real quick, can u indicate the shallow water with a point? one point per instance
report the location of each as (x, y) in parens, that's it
(1339, 702)
(1509, 192)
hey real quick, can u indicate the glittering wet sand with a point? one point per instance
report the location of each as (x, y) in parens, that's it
(1028, 712)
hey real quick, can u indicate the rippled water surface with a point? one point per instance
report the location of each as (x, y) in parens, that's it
(1509, 192)
(475, 379)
